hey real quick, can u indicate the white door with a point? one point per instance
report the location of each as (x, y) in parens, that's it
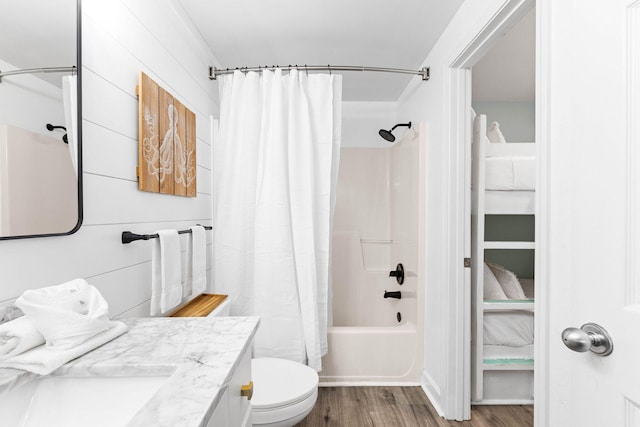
(589, 209)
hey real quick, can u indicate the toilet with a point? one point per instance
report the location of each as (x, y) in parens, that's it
(284, 392)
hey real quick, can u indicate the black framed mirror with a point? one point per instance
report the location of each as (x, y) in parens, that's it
(40, 119)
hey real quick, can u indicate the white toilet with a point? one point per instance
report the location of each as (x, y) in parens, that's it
(284, 392)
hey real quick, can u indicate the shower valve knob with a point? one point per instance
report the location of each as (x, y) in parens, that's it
(398, 273)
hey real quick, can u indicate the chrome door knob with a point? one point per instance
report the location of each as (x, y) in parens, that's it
(576, 339)
(590, 336)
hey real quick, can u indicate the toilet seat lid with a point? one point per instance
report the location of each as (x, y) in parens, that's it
(280, 382)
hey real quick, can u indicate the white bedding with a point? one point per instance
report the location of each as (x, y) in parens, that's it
(510, 173)
(509, 202)
(508, 328)
(507, 352)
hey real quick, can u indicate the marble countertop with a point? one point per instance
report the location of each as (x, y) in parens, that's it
(197, 354)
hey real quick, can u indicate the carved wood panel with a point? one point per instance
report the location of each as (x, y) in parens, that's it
(167, 142)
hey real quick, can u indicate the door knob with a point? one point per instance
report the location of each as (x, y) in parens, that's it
(590, 336)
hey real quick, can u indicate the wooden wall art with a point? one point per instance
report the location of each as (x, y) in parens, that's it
(166, 142)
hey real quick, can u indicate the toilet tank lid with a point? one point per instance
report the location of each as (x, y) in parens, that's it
(280, 382)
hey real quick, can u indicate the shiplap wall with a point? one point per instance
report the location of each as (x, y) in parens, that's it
(120, 39)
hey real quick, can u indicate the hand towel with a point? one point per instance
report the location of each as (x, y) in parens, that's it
(45, 359)
(67, 314)
(196, 282)
(18, 336)
(166, 276)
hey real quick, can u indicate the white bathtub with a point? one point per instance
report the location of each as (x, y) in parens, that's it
(368, 355)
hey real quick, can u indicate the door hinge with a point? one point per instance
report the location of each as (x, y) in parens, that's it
(467, 263)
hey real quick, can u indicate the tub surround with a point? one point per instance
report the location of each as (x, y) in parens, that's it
(199, 355)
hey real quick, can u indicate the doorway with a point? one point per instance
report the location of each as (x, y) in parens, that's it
(459, 87)
(503, 176)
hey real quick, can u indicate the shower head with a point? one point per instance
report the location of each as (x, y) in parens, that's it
(388, 134)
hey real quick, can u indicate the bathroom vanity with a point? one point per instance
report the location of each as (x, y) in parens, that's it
(197, 368)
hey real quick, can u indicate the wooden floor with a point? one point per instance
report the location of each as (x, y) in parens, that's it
(401, 406)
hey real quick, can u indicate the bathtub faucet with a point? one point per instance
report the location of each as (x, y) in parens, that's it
(392, 294)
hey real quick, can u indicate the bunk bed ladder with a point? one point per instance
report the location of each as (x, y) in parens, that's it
(477, 255)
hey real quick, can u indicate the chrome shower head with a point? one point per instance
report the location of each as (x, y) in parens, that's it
(388, 135)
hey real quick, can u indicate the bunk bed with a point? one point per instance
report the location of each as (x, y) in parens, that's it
(503, 183)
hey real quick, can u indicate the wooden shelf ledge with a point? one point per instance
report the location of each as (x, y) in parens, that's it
(200, 306)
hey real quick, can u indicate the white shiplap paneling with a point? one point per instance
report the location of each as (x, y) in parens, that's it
(120, 39)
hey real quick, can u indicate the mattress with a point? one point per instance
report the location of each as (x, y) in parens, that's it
(501, 352)
(508, 173)
(509, 203)
(508, 328)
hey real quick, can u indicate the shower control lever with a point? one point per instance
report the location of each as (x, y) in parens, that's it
(392, 294)
(398, 273)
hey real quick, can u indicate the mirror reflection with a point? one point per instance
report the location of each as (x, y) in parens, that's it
(39, 138)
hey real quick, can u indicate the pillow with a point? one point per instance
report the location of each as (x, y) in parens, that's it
(508, 281)
(494, 134)
(492, 288)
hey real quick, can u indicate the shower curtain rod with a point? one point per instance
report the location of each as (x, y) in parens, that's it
(38, 70)
(423, 72)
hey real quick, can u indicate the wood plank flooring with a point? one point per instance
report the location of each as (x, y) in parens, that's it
(401, 407)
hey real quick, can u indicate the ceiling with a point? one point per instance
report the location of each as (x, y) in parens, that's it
(507, 72)
(376, 33)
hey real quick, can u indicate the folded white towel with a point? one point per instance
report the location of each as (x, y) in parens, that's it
(67, 314)
(166, 275)
(18, 336)
(196, 282)
(45, 359)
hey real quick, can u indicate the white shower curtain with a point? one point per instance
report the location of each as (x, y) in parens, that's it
(275, 172)
(70, 103)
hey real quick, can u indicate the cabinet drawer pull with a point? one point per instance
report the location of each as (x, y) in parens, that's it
(247, 390)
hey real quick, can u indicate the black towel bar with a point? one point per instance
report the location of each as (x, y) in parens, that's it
(128, 237)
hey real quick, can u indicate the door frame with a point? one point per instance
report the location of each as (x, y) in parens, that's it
(458, 126)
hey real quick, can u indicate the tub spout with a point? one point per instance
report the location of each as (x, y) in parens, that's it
(392, 294)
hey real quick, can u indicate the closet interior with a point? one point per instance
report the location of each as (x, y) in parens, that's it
(503, 220)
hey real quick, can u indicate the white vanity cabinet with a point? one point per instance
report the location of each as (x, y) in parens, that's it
(234, 410)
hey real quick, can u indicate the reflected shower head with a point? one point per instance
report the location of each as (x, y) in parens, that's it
(388, 135)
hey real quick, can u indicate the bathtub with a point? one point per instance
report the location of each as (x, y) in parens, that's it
(372, 355)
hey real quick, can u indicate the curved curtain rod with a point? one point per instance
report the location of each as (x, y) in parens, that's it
(38, 70)
(423, 72)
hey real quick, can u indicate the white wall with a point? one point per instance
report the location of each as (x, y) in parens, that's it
(120, 39)
(361, 122)
(427, 101)
(29, 102)
(517, 119)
